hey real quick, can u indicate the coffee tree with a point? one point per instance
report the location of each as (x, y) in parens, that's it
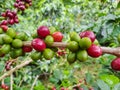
(63, 38)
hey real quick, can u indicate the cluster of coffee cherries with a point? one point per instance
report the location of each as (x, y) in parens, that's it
(11, 42)
(43, 42)
(10, 18)
(22, 4)
(83, 45)
(4, 87)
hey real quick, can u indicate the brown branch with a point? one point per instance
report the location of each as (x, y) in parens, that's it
(107, 50)
(113, 51)
(11, 81)
(8, 73)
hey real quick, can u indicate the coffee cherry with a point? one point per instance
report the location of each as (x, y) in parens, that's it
(21, 3)
(115, 64)
(3, 14)
(10, 15)
(49, 40)
(22, 36)
(73, 46)
(35, 55)
(94, 51)
(85, 43)
(17, 1)
(5, 49)
(22, 7)
(11, 22)
(71, 58)
(7, 11)
(14, 13)
(16, 20)
(11, 32)
(88, 34)
(4, 22)
(43, 31)
(74, 36)
(48, 54)
(58, 36)
(82, 55)
(17, 43)
(4, 28)
(27, 48)
(16, 5)
(7, 39)
(38, 44)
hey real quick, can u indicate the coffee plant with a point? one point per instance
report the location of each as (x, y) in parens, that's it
(60, 44)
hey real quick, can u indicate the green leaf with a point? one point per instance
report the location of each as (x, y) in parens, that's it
(110, 17)
(53, 80)
(40, 86)
(102, 85)
(111, 80)
(116, 87)
(1, 66)
(88, 78)
(118, 5)
(58, 74)
(84, 87)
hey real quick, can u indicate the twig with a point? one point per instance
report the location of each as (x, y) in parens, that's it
(36, 78)
(113, 51)
(21, 82)
(105, 50)
(24, 63)
(11, 81)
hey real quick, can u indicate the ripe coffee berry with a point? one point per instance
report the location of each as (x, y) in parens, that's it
(4, 22)
(88, 34)
(94, 51)
(58, 36)
(4, 28)
(43, 31)
(115, 64)
(27, 48)
(38, 44)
